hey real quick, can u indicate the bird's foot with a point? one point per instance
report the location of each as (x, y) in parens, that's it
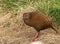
(35, 36)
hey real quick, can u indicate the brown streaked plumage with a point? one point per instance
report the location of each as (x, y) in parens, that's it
(38, 20)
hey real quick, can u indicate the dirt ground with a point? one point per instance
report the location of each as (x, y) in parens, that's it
(19, 33)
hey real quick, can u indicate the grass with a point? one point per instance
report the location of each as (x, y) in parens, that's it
(50, 7)
(7, 24)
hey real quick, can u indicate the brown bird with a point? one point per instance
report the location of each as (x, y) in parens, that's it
(38, 20)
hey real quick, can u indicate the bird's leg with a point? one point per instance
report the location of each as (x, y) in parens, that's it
(35, 36)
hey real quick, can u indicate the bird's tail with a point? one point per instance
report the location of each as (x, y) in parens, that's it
(54, 28)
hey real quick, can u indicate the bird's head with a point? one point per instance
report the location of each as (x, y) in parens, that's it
(26, 16)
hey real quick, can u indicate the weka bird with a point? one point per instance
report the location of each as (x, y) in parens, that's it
(38, 20)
